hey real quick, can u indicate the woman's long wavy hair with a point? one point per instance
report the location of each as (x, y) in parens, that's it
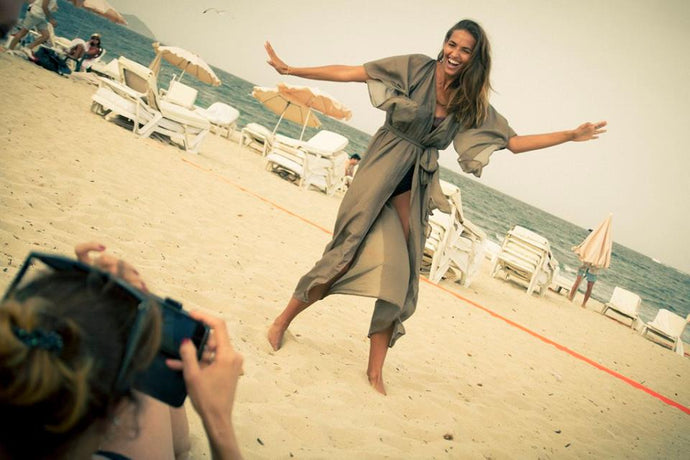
(470, 100)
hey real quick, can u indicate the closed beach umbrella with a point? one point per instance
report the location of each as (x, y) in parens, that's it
(189, 62)
(101, 8)
(316, 99)
(596, 248)
(277, 103)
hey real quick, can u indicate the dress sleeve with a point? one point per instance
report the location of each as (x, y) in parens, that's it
(475, 146)
(391, 79)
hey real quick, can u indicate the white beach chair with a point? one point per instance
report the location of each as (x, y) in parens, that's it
(454, 243)
(180, 94)
(257, 137)
(669, 327)
(526, 256)
(559, 283)
(223, 118)
(325, 160)
(491, 250)
(318, 162)
(286, 159)
(110, 70)
(469, 257)
(444, 231)
(88, 63)
(137, 99)
(624, 303)
(113, 99)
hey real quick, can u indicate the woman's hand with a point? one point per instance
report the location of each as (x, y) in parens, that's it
(275, 62)
(587, 131)
(109, 263)
(211, 382)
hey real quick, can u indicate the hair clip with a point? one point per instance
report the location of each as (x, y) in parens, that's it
(38, 338)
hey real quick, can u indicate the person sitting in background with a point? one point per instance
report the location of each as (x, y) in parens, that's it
(66, 388)
(39, 14)
(83, 53)
(351, 168)
(80, 49)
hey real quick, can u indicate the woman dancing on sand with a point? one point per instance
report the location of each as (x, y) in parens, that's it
(379, 234)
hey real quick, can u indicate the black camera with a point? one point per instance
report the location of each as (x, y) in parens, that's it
(159, 381)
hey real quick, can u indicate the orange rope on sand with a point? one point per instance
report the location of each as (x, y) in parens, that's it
(259, 197)
(546, 340)
(567, 350)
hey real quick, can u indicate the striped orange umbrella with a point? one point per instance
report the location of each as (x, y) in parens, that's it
(315, 99)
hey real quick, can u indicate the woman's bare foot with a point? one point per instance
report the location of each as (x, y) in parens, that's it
(275, 335)
(376, 382)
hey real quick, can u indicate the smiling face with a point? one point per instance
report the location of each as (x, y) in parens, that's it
(457, 51)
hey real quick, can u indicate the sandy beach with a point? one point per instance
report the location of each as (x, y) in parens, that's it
(483, 372)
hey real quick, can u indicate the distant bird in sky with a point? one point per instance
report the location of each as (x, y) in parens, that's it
(215, 10)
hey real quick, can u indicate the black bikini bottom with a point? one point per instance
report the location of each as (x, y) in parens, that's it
(405, 184)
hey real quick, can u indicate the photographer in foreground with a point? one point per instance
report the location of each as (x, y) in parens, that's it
(74, 340)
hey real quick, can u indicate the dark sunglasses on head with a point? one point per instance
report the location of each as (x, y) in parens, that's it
(158, 380)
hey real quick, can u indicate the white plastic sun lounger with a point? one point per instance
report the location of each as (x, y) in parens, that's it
(223, 118)
(669, 327)
(180, 94)
(257, 137)
(454, 243)
(325, 160)
(286, 159)
(137, 99)
(624, 303)
(526, 256)
(110, 70)
(318, 162)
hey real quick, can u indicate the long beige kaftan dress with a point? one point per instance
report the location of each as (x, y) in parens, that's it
(368, 240)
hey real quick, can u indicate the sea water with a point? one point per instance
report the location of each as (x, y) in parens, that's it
(658, 285)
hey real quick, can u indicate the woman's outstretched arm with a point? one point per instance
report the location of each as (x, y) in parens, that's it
(584, 132)
(328, 72)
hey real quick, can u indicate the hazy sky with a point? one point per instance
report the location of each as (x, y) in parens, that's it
(556, 64)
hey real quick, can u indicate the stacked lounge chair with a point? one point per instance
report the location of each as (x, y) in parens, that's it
(525, 256)
(318, 162)
(454, 244)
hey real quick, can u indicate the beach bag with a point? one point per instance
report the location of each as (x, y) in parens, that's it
(49, 59)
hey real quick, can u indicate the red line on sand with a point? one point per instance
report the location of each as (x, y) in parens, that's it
(546, 340)
(567, 350)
